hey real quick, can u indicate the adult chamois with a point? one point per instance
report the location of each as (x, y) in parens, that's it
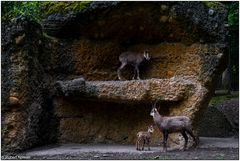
(134, 59)
(173, 124)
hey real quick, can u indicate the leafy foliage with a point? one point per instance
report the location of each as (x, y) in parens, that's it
(36, 10)
(233, 22)
(13, 9)
(233, 14)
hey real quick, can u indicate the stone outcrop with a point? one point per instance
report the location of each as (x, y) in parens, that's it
(214, 124)
(221, 120)
(146, 91)
(230, 110)
(26, 110)
(44, 99)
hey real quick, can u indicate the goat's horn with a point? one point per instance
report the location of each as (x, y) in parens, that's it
(152, 103)
(155, 103)
(158, 108)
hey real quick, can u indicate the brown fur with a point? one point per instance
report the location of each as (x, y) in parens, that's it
(144, 137)
(133, 59)
(173, 124)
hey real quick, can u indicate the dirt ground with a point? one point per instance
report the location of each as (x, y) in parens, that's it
(209, 148)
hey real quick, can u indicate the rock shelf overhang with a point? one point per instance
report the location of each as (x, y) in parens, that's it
(149, 90)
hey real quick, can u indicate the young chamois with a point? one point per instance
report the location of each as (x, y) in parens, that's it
(173, 124)
(144, 137)
(133, 59)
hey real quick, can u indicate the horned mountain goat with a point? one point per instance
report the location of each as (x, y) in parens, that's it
(134, 59)
(173, 124)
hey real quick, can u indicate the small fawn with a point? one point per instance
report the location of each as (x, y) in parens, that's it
(144, 137)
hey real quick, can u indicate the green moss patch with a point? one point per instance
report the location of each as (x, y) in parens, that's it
(214, 5)
(37, 10)
(220, 99)
(64, 7)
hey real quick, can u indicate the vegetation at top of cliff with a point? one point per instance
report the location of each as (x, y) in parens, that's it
(12, 9)
(214, 5)
(233, 14)
(64, 7)
(37, 10)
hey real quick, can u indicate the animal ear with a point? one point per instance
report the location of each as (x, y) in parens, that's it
(154, 108)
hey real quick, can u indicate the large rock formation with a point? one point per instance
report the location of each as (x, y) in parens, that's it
(187, 42)
(26, 107)
(214, 124)
(221, 120)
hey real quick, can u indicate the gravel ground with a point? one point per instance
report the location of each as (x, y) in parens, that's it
(206, 154)
(209, 148)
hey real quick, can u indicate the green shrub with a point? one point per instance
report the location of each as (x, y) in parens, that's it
(36, 10)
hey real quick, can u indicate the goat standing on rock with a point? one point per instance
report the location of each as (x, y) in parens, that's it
(133, 59)
(173, 124)
(143, 137)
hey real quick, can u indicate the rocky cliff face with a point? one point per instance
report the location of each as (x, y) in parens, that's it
(26, 104)
(187, 43)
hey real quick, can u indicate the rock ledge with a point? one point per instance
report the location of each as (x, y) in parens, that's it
(149, 90)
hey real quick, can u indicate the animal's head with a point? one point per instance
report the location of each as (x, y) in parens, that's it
(153, 112)
(150, 129)
(154, 109)
(146, 55)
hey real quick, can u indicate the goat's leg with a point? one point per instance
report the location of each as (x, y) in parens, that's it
(140, 144)
(119, 70)
(148, 142)
(189, 131)
(137, 70)
(165, 137)
(185, 138)
(137, 144)
(134, 74)
(143, 143)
